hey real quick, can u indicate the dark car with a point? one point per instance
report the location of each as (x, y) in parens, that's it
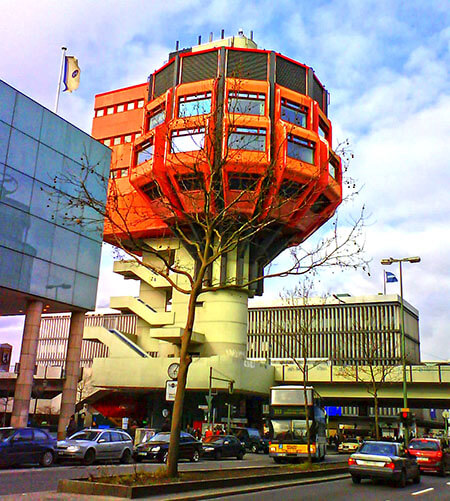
(252, 440)
(384, 461)
(26, 445)
(157, 448)
(432, 454)
(223, 446)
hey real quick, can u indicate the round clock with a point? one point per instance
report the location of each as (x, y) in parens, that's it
(172, 371)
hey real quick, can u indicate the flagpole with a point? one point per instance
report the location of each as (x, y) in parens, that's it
(63, 56)
(384, 281)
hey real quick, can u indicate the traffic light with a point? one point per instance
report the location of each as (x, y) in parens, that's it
(405, 417)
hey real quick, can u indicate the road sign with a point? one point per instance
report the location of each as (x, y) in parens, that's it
(171, 390)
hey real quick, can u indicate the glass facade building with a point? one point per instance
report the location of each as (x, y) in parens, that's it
(43, 252)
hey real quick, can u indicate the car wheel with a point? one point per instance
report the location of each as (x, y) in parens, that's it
(195, 457)
(240, 455)
(218, 455)
(89, 457)
(47, 459)
(165, 458)
(403, 480)
(356, 479)
(126, 456)
(254, 449)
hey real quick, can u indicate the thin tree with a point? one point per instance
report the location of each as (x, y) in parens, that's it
(209, 224)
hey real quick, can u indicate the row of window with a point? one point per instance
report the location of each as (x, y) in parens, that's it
(246, 103)
(118, 173)
(119, 108)
(114, 141)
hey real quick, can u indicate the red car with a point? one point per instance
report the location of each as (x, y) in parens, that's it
(431, 454)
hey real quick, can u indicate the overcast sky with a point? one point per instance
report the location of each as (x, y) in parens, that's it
(385, 63)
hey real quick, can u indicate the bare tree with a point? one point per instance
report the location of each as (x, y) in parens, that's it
(208, 221)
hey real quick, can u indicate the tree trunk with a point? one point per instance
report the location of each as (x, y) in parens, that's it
(375, 412)
(185, 360)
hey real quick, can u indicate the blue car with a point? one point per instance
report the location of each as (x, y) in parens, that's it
(26, 445)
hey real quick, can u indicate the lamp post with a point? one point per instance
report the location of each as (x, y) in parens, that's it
(387, 262)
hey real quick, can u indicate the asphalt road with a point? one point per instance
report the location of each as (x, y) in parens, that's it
(431, 488)
(34, 479)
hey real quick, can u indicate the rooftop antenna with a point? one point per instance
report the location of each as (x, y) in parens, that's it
(211, 36)
(222, 35)
(241, 32)
(177, 45)
(199, 40)
(251, 35)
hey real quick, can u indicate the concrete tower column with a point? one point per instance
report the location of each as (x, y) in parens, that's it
(69, 394)
(24, 383)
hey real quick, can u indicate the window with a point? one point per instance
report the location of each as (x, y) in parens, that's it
(100, 113)
(130, 106)
(110, 110)
(138, 134)
(120, 107)
(157, 117)
(198, 104)
(113, 174)
(117, 140)
(190, 182)
(290, 189)
(140, 103)
(332, 170)
(151, 190)
(246, 138)
(127, 138)
(40, 435)
(24, 435)
(146, 153)
(300, 149)
(187, 140)
(116, 436)
(320, 204)
(247, 103)
(323, 129)
(105, 437)
(107, 142)
(123, 172)
(241, 181)
(293, 113)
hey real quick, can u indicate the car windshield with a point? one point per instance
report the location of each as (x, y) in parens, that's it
(423, 445)
(160, 437)
(378, 449)
(213, 439)
(351, 441)
(85, 435)
(6, 433)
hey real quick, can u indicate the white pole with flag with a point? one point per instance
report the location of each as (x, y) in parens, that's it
(384, 281)
(58, 91)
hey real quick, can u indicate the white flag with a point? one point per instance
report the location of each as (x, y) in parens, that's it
(71, 74)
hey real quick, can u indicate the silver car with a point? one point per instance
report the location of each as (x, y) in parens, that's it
(96, 445)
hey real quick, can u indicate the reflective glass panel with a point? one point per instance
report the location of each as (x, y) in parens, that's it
(293, 113)
(85, 291)
(39, 237)
(27, 116)
(4, 140)
(156, 119)
(187, 141)
(49, 164)
(53, 131)
(88, 256)
(34, 276)
(247, 139)
(13, 224)
(44, 201)
(65, 247)
(16, 189)
(300, 150)
(10, 265)
(60, 284)
(22, 152)
(246, 106)
(145, 154)
(7, 99)
(191, 105)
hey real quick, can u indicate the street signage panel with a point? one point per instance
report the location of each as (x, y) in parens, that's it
(171, 390)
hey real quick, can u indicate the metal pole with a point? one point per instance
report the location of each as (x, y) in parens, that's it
(403, 352)
(384, 282)
(58, 91)
(209, 397)
(228, 418)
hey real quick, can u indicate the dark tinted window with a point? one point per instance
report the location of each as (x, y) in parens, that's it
(116, 437)
(40, 435)
(6, 433)
(125, 437)
(160, 437)
(424, 445)
(105, 437)
(85, 435)
(378, 449)
(24, 435)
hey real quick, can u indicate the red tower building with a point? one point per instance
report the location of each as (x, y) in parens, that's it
(258, 115)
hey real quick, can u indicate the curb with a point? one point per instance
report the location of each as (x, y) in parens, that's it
(82, 486)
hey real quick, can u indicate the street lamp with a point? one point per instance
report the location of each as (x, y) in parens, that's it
(387, 262)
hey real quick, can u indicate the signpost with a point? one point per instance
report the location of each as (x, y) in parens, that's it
(171, 390)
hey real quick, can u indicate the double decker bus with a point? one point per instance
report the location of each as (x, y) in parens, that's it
(288, 424)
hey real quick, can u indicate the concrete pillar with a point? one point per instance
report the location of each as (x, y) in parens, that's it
(24, 383)
(69, 394)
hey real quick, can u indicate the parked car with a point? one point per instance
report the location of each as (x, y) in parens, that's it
(219, 446)
(383, 461)
(91, 445)
(252, 440)
(432, 454)
(26, 445)
(349, 445)
(157, 448)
